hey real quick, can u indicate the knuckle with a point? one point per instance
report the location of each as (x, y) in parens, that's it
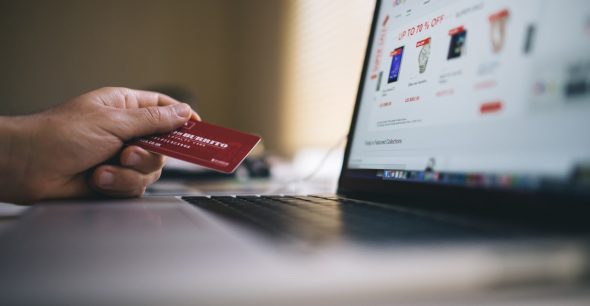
(130, 182)
(160, 162)
(140, 182)
(153, 115)
(110, 89)
(106, 89)
(138, 192)
(157, 175)
(113, 115)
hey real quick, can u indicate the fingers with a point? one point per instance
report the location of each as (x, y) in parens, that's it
(140, 168)
(121, 97)
(150, 98)
(195, 116)
(139, 113)
(150, 120)
(121, 182)
(141, 160)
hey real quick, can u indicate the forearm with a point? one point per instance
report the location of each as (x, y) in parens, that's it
(14, 153)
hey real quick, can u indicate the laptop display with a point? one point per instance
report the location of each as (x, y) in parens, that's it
(475, 94)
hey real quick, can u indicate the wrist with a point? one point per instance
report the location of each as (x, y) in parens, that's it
(16, 136)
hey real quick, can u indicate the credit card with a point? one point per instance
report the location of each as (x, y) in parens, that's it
(204, 144)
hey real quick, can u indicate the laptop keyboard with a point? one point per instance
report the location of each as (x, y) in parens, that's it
(321, 219)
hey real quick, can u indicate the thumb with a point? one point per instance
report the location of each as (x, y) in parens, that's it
(153, 120)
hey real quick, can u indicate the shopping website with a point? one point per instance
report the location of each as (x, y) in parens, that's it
(485, 87)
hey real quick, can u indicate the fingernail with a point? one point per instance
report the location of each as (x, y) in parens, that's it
(133, 159)
(182, 110)
(106, 178)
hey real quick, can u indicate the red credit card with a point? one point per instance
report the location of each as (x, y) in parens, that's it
(204, 144)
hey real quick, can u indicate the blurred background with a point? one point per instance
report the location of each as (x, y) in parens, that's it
(287, 70)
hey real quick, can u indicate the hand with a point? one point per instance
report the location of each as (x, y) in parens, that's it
(77, 149)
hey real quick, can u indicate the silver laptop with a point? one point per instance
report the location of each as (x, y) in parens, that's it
(467, 167)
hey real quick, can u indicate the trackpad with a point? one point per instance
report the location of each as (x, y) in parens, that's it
(150, 229)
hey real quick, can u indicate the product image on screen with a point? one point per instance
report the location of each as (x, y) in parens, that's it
(379, 80)
(396, 62)
(528, 42)
(424, 54)
(498, 23)
(457, 45)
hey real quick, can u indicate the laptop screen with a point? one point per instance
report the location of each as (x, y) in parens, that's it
(488, 94)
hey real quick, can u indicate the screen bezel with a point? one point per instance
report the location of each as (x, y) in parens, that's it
(429, 193)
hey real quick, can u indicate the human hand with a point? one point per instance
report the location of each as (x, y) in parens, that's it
(76, 149)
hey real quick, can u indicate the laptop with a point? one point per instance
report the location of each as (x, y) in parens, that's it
(468, 112)
(467, 167)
